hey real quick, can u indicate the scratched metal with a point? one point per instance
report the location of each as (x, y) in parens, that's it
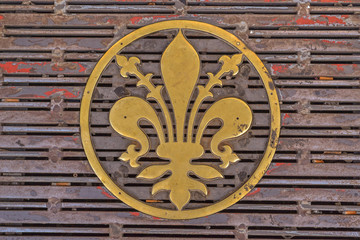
(47, 51)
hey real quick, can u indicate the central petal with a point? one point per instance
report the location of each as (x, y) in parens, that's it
(180, 67)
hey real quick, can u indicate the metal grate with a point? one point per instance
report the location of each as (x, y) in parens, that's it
(49, 48)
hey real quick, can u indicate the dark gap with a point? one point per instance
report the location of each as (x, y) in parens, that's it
(263, 211)
(27, 59)
(333, 4)
(78, 175)
(321, 136)
(22, 208)
(342, 152)
(240, 11)
(85, 226)
(21, 149)
(313, 86)
(144, 3)
(341, 61)
(25, 158)
(178, 226)
(122, 11)
(55, 234)
(245, 3)
(331, 53)
(192, 236)
(60, 35)
(244, 202)
(22, 200)
(312, 177)
(34, 2)
(334, 103)
(60, 27)
(96, 209)
(229, 28)
(307, 186)
(27, 11)
(315, 228)
(335, 203)
(315, 28)
(330, 212)
(266, 36)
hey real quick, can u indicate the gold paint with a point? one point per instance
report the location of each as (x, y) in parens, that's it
(124, 117)
(180, 66)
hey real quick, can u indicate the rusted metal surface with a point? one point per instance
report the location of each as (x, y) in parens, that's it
(49, 48)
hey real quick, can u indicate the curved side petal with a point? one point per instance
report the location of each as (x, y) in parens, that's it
(160, 186)
(206, 172)
(124, 117)
(236, 119)
(154, 171)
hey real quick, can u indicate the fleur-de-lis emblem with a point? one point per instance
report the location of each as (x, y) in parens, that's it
(180, 69)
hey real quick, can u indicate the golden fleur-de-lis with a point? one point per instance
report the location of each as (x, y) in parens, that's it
(180, 68)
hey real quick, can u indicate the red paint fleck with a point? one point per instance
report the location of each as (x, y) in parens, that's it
(297, 189)
(284, 118)
(135, 20)
(66, 93)
(82, 68)
(308, 21)
(339, 67)
(103, 191)
(333, 19)
(280, 68)
(276, 166)
(156, 218)
(136, 214)
(74, 139)
(340, 190)
(254, 191)
(1, 17)
(55, 67)
(277, 24)
(333, 41)
(330, 20)
(13, 67)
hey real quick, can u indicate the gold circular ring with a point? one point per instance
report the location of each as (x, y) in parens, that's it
(274, 119)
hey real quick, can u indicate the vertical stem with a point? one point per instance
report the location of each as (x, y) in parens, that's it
(194, 110)
(166, 113)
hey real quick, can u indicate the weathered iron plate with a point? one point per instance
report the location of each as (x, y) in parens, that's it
(49, 48)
